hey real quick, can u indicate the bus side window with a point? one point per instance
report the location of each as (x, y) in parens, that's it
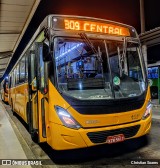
(16, 72)
(26, 71)
(22, 70)
(13, 79)
(32, 62)
(42, 80)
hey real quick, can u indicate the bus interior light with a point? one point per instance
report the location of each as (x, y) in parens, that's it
(66, 118)
(148, 111)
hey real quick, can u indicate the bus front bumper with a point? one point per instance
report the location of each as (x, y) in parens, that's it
(63, 138)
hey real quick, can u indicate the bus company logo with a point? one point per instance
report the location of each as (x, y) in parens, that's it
(92, 122)
(135, 116)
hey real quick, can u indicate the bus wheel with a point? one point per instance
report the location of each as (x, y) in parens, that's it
(34, 136)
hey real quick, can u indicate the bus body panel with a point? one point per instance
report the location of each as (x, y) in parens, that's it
(63, 138)
(71, 139)
(19, 100)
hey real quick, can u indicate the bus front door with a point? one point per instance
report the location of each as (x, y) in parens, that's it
(36, 117)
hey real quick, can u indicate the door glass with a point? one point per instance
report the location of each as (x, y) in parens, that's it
(41, 68)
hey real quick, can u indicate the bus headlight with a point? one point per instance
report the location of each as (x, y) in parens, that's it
(148, 111)
(66, 118)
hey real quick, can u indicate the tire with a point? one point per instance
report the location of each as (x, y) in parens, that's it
(34, 136)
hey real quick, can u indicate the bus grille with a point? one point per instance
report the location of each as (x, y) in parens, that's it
(101, 136)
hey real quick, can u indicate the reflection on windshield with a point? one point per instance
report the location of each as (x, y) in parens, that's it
(84, 74)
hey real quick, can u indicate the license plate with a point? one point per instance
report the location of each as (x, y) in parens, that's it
(115, 138)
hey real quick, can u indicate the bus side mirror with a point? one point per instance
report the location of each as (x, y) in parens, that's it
(46, 53)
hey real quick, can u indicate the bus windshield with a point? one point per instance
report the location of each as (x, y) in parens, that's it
(98, 69)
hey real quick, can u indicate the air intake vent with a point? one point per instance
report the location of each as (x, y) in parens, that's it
(101, 137)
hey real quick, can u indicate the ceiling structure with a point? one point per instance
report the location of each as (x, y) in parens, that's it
(15, 16)
(151, 38)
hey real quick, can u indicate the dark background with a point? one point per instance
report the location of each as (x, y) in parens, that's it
(125, 11)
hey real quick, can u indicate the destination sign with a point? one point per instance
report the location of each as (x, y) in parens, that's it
(96, 27)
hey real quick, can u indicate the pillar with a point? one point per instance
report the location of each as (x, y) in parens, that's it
(142, 16)
(142, 19)
(144, 51)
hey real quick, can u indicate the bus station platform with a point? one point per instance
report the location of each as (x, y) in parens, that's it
(10, 147)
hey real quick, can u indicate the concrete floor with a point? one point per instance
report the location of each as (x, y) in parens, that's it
(10, 148)
(156, 109)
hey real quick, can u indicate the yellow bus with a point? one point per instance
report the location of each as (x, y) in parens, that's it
(81, 82)
(4, 90)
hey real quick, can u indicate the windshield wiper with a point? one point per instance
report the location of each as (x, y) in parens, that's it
(122, 58)
(90, 45)
(109, 67)
(88, 42)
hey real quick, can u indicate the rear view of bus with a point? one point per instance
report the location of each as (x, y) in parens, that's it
(98, 91)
